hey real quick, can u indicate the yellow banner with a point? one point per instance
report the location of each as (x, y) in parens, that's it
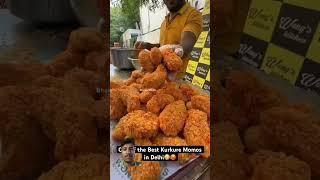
(198, 81)
(192, 66)
(205, 56)
(283, 63)
(201, 40)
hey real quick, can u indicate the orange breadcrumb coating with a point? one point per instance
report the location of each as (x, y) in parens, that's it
(145, 126)
(172, 88)
(255, 140)
(91, 166)
(166, 52)
(277, 166)
(158, 102)
(117, 107)
(161, 140)
(116, 84)
(229, 157)
(137, 74)
(118, 132)
(201, 102)
(172, 61)
(156, 56)
(188, 91)
(145, 61)
(147, 170)
(130, 97)
(137, 124)
(146, 95)
(64, 62)
(156, 79)
(246, 91)
(172, 118)
(197, 132)
(296, 133)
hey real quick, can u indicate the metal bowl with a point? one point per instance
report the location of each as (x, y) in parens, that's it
(119, 57)
(135, 63)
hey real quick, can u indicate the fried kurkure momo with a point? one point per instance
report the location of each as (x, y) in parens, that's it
(277, 166)
(172, 118)
(172, 61)
(197, 131)
(155, 56)
(158, 102)
(162, 140)
(146, 170)
(295, 132)
(145, 60)
(230, 161)
(155, 79)
(137, 124)
(91, 166)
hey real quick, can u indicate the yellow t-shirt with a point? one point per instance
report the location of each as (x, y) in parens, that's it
(187, 19)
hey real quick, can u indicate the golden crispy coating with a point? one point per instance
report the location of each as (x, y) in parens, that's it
(156, 56)
(137, 74)
(118, 132)
(137, 124)
(196, 131)
(91, 166)
(145, 61)
(116, 84)
(277, 166)
(18, 133)
(147, 170)
(145, 126)
(85, 40)
(75, 132)
(137, 86)
(246, 91)
(295, 131)
(146, 95)
(201, 102)
(255, 140)
(158, 102)
(228, 112)
(64, 62)
(117, 107)
(188, 91)
(130, 97)
(156, 79)
(161, 140)
(13, 74)
(172, 118)
(172, 61)
(229, 159)
(143, 142)
(166, 52)
(100, 113)
(95, 61)
(172, 88)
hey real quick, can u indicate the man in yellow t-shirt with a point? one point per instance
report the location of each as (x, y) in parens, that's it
(181, 27)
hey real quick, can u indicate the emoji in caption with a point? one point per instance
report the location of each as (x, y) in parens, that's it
(173, 157)
(167, 157)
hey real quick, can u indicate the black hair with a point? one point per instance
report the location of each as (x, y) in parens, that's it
(127, 141)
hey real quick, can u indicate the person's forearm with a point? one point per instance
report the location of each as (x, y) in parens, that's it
(187, 42)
